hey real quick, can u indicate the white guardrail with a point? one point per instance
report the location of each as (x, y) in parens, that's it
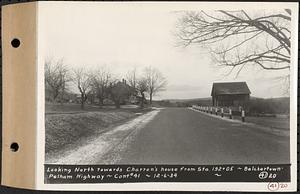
(218, 111)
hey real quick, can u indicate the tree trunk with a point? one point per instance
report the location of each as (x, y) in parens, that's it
(142, 101)
(117, 103)
(82, 100)
(100, 101)
(62, 97)
(92, 99)
(55, 94)
(151, 98)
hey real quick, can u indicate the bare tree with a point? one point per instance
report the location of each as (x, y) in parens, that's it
(100, 81)
(155, 81)
(119, 91)
(239, 38)
(83, 82)
(132, 78)
(56, 78)
(142, 88)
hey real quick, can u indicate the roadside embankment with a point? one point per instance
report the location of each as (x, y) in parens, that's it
(104, 148)
(67, 129)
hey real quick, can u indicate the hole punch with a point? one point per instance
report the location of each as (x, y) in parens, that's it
(14, 147)
(15, 43)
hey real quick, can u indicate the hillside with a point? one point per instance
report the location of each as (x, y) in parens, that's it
(183, 102)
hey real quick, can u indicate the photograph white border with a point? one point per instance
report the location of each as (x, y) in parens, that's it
(174, 186)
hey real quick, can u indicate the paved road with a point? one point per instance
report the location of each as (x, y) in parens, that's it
(183, 136)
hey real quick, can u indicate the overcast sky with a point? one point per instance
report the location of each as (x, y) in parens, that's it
(125, 37)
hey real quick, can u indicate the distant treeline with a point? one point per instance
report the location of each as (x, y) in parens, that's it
(255, 106)
(269, 106)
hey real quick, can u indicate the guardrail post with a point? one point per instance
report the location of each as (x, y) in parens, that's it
(216, 111)
(230, 113)
(222, 112)
(211, 110)
(243, 116)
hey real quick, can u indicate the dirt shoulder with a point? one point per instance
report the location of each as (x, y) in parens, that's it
(65, 130)
(91, 150)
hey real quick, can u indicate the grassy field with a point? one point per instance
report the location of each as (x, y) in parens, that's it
(67, 124)
(273, 122)
(278, 122)
(57, 108)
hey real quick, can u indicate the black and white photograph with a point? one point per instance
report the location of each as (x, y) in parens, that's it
(154, 84)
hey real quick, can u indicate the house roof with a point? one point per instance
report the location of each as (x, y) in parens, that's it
(122, 86)
(222, 88)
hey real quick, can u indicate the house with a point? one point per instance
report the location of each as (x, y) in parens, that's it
(126, 93)
(230, 94)
(121, 92)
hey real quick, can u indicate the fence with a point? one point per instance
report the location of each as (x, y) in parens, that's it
(219, 111)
